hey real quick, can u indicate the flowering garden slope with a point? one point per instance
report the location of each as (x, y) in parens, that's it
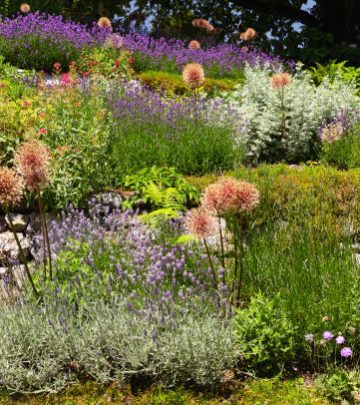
(148, 277)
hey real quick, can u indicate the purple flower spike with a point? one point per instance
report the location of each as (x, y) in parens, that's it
(346, 352)
(340, 340)
(327, 335)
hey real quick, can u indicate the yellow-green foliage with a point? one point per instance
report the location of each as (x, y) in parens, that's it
(174, 84)
(323, 195)
(15, 118)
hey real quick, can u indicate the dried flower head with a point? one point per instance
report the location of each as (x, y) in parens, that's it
(194, 45)
(33, 160)
(10, 187)
(25, 8)
(309, 337)
(203, 24)
(248, 35)
(114, 41)
(193, 75)
(231, 195)
(280, 80)
(104, 22)
(331, 132)
(200, 223)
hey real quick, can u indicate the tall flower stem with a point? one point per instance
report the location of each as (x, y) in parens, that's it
(211, 264)
(22, 255)
(45, 233)
(242, 258)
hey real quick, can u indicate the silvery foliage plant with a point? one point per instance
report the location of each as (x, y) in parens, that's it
(296, 111)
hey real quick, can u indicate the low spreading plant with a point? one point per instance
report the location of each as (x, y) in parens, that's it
(107, 343)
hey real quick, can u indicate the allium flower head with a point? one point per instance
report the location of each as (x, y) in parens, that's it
(280, 80)
(33, 160)
(104, 22)
(248, 35)
(231, 195)
(203, 24)
(194, 45)
(193, 75)
(114, 41)
(346, 352)
(200, 223)
(25, 8)
(340, 340)
(10, 187)
(331, 132)
(327, 335)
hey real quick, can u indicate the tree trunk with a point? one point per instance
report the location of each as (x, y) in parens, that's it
(341, 19)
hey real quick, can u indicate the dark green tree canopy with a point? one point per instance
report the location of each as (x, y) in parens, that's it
(329, 30)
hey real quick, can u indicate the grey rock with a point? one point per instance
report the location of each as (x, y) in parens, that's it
(20, 222)
(9, 249)
(110, 198)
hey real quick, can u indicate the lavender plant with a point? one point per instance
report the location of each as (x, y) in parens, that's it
(224, 60)
(37, 40)
(108, 343)
(188, 134)
(115, 255)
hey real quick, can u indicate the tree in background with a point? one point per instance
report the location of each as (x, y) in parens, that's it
(329, 30)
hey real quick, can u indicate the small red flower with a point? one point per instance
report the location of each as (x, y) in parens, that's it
(131, 59)
(43, 131)
(57, 66)
(42, 115)
(85, 74)
(26, 104)
(116, 63)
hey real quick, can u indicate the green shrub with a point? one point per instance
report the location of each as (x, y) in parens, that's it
(335, 70)
(321, 194)
(174, 83)
(77, 126)
(107, 62)
(265, 335)
(283, 124)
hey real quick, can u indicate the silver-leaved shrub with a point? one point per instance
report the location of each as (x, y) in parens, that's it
(283, 123)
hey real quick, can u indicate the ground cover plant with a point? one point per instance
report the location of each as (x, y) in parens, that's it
(177, 255)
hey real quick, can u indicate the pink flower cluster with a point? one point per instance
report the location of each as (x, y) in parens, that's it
(227, 196)
(32, 160)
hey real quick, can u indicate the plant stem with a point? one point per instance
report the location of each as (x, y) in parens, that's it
(211, 263)
(242, 258)
(46, 234)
